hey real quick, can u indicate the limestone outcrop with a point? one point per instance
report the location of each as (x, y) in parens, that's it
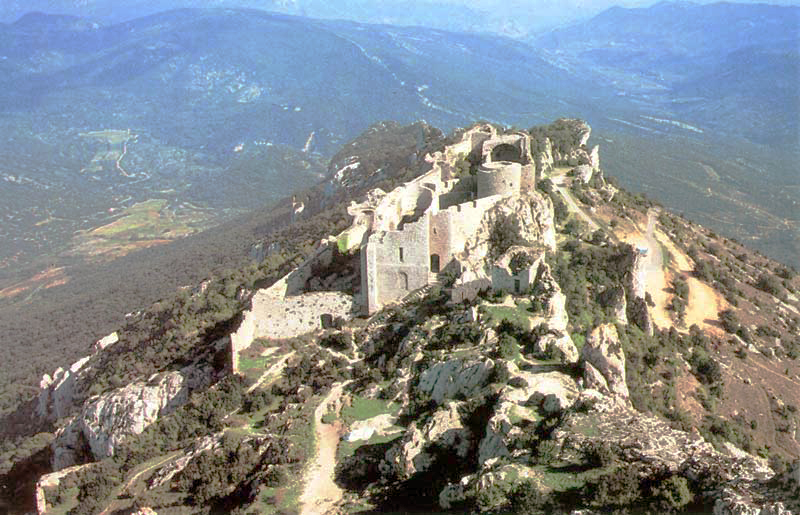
(584, 173)
(57, 396)
(107, 420)
(448, 379)
(445, 429)
(526, 394)
(501, 477)
(558, 344)
(51, 483)
(603, 353)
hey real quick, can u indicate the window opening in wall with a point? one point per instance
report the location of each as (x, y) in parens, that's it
(516, 285)
(435, 263)
(401, 254)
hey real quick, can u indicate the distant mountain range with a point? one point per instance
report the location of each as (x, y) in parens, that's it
(232, 109)
(733, 67)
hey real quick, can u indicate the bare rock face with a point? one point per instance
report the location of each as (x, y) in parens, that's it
(445, 380)
(615, 298)
(444, 428)
(593, 379)
(57, 394)
(558, 344)
(584, 173)
(545, 162)
(105, 342)
(603, 351)
(145, 511)
(531, 216)
(644, 438)
(733, 502)
(557, 317)
(108, 419)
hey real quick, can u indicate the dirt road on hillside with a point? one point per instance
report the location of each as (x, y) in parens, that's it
(321, 494)
(704, 301)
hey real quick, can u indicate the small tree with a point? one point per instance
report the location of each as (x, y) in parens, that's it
(729, 320)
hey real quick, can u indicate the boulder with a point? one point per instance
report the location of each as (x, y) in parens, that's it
(446, 380)
(603, 351)
(557, 345)
(584, 173)
(105, 342)
(444, 428)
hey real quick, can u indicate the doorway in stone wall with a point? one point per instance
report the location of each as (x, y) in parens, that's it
(435, 263)
(404, 280)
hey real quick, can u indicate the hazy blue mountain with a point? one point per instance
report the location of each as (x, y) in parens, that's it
(232, 109)
(730, 67)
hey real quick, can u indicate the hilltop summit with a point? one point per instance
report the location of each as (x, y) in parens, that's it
(482, 323)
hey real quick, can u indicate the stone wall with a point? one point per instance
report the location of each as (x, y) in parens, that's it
(455, 225)
(288, 317)
(503, 277)
(395, 263)
(519, 141)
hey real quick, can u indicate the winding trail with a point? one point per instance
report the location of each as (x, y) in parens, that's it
(320, 492)
(573, 205)
(704, 301)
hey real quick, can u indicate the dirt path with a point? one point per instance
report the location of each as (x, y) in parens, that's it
(704, 301)
(320, 493)
(273, 371)
(574, 206)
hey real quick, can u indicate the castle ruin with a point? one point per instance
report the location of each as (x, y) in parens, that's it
(433, 226)
(415, 232)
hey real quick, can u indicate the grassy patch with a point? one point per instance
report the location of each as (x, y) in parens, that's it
(666, 256)
(347, 449)
(363, 408)
(563, 479)
(517, 315)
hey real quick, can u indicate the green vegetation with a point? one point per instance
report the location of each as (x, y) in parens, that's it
(363, 408)
(503, 235)
(519, 315)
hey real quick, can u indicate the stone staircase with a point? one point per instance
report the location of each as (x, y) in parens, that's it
(379, 318)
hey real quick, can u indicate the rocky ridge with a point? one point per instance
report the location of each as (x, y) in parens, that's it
(499, 400)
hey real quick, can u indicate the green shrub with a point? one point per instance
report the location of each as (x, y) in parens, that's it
(527, 498)
(616, 489)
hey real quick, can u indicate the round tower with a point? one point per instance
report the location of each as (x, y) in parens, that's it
(499, 178)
